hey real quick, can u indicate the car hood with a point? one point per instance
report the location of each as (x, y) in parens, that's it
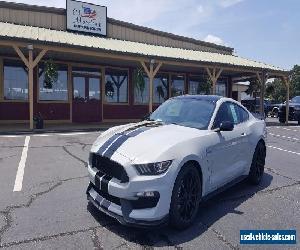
(144, 141)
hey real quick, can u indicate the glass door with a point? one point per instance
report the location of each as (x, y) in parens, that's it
(87, 106)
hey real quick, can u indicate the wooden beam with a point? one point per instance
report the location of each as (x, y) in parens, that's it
(30, 87)
(151, 87)
(21, 55)
(70, 91)
(145, 68)
(157, 69)
(219, 73)
(209, 73)
(287, 99)
(39, 57)
(259, 78)
(1, 80)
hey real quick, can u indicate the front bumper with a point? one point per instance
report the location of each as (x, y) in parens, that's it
(105, 206)
(119, 200)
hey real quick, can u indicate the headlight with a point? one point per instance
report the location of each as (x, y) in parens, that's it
(153, 168)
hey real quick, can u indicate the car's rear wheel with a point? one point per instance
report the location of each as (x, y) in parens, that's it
(258, 164)
(186, 197)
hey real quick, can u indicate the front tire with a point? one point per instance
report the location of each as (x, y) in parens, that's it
(186, 197)
(258, 164)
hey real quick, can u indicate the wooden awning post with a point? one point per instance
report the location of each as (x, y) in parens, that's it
(287, 98)
(151, 73)
(214, 76)
(30, 64)
(262, 79)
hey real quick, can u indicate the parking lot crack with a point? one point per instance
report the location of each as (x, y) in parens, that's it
(7, 212)
(95, 240)
(279, 174)
(45, 238)
(75, 157)
(221, 237)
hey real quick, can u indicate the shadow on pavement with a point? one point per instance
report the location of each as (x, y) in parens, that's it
(210, 211)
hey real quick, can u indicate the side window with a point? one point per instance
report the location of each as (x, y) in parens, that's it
(224, 114)
(243, 114)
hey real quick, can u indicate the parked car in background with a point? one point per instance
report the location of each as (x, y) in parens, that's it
(253, 105)
(160, 169)
(294, 110)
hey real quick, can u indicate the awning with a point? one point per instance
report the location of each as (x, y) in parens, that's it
(10, 31)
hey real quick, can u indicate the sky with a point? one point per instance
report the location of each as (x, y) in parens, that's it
(262, 30)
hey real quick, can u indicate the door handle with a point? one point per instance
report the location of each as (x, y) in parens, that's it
(243, 134)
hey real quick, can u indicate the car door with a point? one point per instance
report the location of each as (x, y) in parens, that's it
(243, 129)
(225, 153)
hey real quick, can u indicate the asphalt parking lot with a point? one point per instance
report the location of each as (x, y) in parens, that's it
(50, 211)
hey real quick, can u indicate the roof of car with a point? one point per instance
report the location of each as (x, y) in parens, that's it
(213, 98)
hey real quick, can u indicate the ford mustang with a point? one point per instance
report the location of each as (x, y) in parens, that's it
(159, 170)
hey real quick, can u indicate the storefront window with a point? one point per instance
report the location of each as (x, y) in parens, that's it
(177, 85)
(141, 90)
(15, 80)
(59, 90)
(160, 88)
(116, 86)
(198, 85)
(221, 87)
(94, 88)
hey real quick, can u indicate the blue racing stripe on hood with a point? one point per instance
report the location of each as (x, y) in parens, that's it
(124, 136)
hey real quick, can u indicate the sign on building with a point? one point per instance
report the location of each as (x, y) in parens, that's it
(86, 17)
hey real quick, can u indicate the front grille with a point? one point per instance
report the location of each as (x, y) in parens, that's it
(109, 167)
(107, 196)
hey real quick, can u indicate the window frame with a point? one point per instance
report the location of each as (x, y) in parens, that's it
(203, 76)
(2, 97)
(217, 111)
(69, 88)
(235, 104)
(103, 97)
(184, 82)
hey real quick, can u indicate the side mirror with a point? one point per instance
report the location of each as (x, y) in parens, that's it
(226, 126)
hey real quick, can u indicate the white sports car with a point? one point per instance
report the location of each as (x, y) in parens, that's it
(158, 170)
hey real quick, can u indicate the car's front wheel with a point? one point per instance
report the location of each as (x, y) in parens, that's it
(258, 164)
(186, 197)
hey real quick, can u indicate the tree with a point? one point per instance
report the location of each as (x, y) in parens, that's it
(295, 81)
(253, 88)
(276, 90)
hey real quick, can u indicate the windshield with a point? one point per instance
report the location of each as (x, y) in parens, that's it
(189, 112)
(296, 99)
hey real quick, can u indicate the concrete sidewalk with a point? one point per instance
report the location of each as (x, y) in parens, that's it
(23, 128)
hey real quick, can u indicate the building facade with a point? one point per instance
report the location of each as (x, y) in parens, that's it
(120, 77)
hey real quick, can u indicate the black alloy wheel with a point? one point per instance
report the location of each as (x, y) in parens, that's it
(185, 197)
(258, 164)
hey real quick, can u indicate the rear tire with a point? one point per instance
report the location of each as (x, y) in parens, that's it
(258, 164)
(186, 197)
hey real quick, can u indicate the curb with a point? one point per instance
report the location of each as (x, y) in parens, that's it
(50, 131)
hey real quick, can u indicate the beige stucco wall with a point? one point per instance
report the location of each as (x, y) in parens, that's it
(56, 19)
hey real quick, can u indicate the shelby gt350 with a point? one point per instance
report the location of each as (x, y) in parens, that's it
(159, 170)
